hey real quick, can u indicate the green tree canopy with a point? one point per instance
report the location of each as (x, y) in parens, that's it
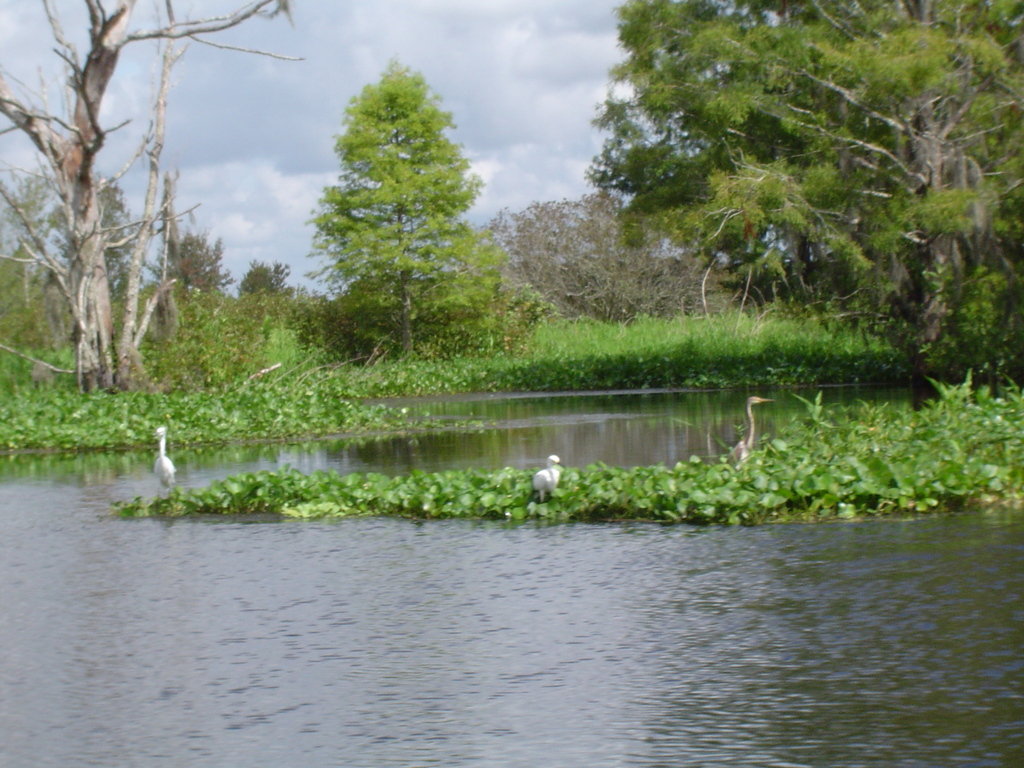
(199, 264)
(265, 278)
(392, 229)
(870, 150)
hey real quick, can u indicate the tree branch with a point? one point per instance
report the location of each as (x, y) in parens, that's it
(256, 51)
(850, 97)
(967, 102)
(132, 330)
(177, 30)
(835, 23)
(71, 57)
(35, 360)
(872, 148)
(38, 248)
(19, 260)
(147, 311)
(35, 126)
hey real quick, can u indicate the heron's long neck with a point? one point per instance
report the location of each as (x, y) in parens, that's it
(163, 445)
(750, 425)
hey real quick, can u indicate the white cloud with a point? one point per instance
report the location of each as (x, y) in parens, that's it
(259, 212)
(253, 137)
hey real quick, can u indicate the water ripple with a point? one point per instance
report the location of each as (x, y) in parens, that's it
(391, 643)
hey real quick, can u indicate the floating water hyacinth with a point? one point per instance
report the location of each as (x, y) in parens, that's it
(69, 421)
(966, 448)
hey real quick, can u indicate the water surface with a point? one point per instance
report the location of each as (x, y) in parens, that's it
(454, 643)
(626, 429)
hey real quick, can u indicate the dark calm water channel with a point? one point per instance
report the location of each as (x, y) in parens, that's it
(390, 643)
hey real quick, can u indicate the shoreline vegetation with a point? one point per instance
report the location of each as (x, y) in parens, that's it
(303, 400)
(963, 448)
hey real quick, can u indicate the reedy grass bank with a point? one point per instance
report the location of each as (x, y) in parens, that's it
(67, 421)
(964, 448)
(720, 351)
(731, 350)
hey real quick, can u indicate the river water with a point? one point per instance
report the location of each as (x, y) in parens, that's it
(452, 643)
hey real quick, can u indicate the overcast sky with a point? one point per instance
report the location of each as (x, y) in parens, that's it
(253, 137)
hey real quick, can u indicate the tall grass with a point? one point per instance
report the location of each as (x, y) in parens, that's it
(721, 351)
(724, 335)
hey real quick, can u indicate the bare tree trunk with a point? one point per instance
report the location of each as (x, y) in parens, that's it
(406, 319)
(70, 147)
(93, 329)
(132, 331)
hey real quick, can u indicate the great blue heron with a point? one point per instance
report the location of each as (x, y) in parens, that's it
(546, 480)
(746, 445)
(164, 467)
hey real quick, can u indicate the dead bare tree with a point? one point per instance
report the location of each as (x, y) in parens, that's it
(587, 261)
(69, 145)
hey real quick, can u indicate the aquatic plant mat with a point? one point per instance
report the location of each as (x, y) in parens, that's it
(964, 448)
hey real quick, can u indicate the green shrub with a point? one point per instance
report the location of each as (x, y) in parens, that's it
(360, 326)
(221, 340)
(18, 374)
(986, 332)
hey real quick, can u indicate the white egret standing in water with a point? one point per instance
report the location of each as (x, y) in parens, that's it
(545, 481)
(164, 467)
(746, 445)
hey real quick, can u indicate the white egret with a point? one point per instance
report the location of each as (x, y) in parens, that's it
(746, 445)
(546, 480)
(164, 467)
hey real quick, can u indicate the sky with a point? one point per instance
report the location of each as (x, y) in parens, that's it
(252, 137)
